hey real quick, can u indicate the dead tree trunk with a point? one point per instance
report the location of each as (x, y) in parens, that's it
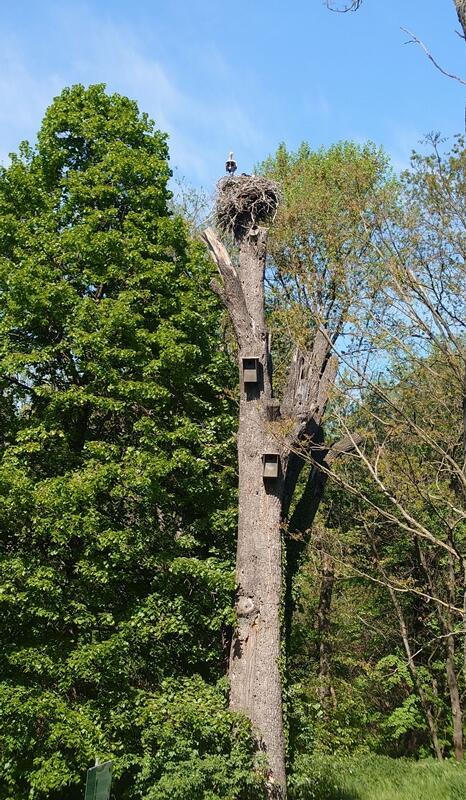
(283, 432)
(255, 681)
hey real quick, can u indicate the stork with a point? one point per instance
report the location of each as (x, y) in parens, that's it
(230, 165)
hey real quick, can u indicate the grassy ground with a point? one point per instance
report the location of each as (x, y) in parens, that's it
(378, 778)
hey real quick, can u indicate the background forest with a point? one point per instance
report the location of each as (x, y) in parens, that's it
(118, 470)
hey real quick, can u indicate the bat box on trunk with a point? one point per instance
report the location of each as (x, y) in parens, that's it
(271, 465)
(250, 370)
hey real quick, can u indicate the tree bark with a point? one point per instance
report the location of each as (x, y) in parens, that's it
(255, 681)
(254, 670)
(455, 700)
(460, 6)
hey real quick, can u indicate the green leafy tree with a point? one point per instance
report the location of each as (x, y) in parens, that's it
(393, 522)
(116, 471)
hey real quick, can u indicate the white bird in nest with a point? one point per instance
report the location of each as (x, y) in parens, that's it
(231, 164)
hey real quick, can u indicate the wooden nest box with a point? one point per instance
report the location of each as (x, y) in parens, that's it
(270, 465)
(250, 370)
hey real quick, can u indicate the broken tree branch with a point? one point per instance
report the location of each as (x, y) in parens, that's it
(310, 378)
(231, 292)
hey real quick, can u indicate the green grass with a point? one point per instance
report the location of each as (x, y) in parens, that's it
(375, 777)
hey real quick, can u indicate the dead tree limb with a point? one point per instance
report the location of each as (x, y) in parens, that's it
(415, 40)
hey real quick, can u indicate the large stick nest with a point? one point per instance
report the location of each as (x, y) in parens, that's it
(245, 201)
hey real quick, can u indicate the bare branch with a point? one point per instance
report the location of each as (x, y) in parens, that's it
(404, 521)
(414, 40)
(391, 583)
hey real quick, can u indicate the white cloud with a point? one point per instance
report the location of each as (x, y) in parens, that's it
(197, 126)
(92, 49)
(24, 95)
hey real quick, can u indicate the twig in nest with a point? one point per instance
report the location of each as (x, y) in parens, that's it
(245, 201)
(351, 7)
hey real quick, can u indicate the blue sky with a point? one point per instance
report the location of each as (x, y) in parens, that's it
(243, 75)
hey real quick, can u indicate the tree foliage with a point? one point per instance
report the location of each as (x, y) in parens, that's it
(321, 257)
(117, 464)
(391, 532)
(116, 472)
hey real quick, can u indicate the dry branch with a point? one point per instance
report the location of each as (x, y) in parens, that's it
(414, 40)
(231, 291)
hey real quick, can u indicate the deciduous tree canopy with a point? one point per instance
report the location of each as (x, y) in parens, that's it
(116, 476)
